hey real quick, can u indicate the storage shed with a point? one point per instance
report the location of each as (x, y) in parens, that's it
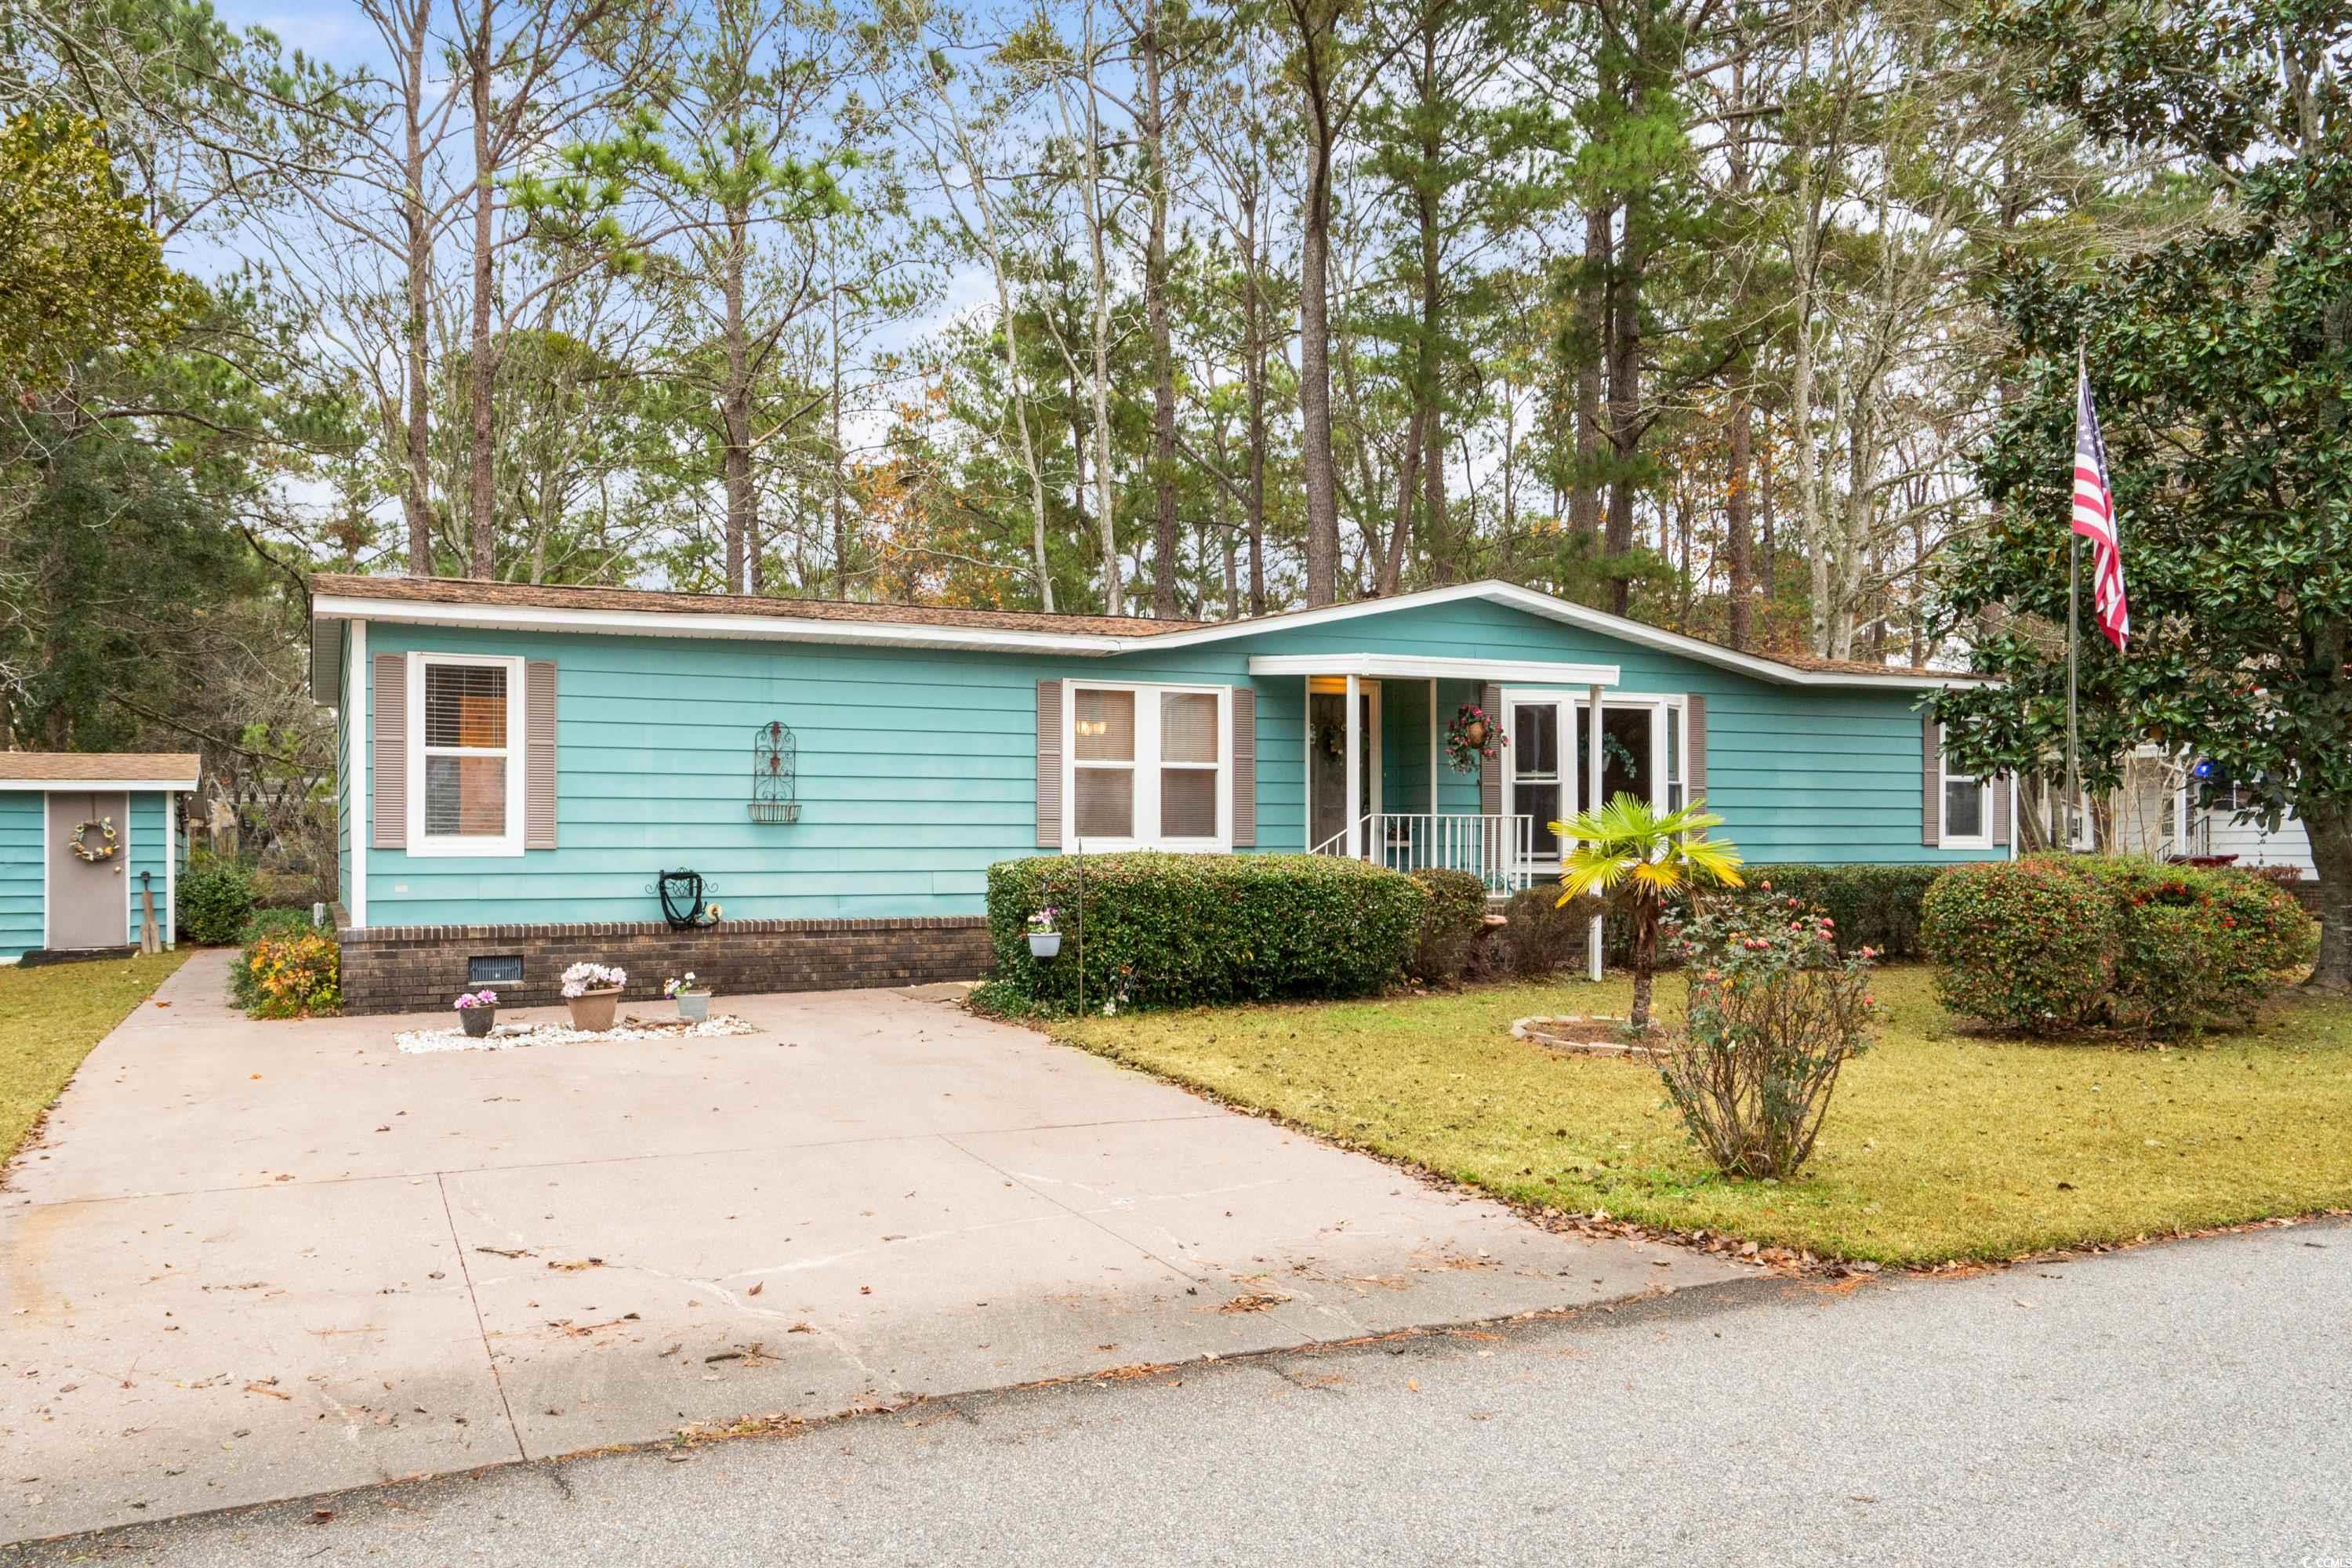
(90, 842)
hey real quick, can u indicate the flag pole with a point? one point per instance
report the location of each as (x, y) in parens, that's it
(2073, 623)
(2074, 633)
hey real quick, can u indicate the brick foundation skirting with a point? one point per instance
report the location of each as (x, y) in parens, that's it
(421, 969)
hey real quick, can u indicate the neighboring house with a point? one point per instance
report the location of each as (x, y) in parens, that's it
(520, 764)
(2157, 813)
(88, 842)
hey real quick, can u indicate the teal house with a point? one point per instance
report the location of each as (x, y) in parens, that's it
(91, 848)
(796, 793)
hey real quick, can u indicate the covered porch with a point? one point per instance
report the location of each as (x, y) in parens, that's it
(1380, 785)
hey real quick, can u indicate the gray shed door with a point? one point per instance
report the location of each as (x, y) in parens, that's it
(89, 906)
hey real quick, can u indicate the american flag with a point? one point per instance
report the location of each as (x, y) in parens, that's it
(2094, 516)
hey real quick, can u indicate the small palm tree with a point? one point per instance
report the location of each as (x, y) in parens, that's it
(1636, 856)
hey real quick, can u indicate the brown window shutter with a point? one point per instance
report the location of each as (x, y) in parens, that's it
(1693, 747)
(1931, 781)
(1049, 764)
(1490, 773)
(539, 755)
(1244, 767)
(388, 803)
(2001, 810)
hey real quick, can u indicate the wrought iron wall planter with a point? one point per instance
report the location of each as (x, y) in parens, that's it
(775, 764)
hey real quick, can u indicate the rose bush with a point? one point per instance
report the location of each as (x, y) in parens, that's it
(1776, 1012)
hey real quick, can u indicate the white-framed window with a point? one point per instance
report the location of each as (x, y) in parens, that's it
(1967, 809)
(465, 754)
(1150, 767)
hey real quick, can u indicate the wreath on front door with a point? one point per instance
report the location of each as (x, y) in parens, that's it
(79, 840)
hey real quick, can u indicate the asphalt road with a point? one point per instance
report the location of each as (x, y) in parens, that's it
(2179, 1403)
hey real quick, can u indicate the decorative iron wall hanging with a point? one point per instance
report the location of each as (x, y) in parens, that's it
(775, 763)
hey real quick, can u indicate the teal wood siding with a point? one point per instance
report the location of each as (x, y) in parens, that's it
(1800, 773)
(150, 851)
(23, 845)
(916, 772)
(1458, 793)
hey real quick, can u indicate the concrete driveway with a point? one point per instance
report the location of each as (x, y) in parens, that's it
(252, 1261)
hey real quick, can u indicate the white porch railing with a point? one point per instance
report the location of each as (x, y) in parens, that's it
(1498, 850)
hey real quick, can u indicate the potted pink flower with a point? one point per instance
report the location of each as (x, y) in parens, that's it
(592, 990)
(477, 1010)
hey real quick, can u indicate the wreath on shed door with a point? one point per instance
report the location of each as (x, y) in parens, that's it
(79, 840)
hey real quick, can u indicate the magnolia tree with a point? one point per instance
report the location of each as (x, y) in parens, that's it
(2222, 366)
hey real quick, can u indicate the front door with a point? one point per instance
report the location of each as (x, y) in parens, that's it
(1328, 809)
(90, 903)
(1551, 762)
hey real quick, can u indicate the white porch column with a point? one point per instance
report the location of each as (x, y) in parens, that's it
(1355, 767)
(1593, 802)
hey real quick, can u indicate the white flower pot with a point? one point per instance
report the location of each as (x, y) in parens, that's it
(1045, 943)
(694, 1005)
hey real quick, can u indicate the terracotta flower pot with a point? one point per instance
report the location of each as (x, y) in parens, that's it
(478, 1020)
(592, 1011)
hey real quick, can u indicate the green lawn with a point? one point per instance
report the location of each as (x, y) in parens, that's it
(53, 1015)
(1940, 1145)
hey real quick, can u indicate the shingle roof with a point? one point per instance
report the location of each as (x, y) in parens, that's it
(97, 767)
(527, 595)
(474, 594)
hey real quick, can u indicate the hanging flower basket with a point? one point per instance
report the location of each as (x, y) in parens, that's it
(1473, 738)
(1046, 933)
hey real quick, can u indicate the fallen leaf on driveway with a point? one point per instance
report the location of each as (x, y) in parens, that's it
(1252, 1303)
(264, 1388)
(574, 1265)
(757, 1285)
(507, 1252)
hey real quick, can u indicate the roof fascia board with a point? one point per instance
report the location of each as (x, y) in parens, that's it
(90, 786)
(761, 628)
(912, 635)
(1512, 595)
(1407, 667)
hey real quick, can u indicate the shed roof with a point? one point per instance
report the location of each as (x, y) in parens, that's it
(175, 770)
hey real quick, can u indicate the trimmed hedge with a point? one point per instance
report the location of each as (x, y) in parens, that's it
(1541, 937)
(2057, 941)
(2023, 944)
(2194, 943)
(1877, 907)
(1159, 930)
(1456, 915)
(215, 901)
